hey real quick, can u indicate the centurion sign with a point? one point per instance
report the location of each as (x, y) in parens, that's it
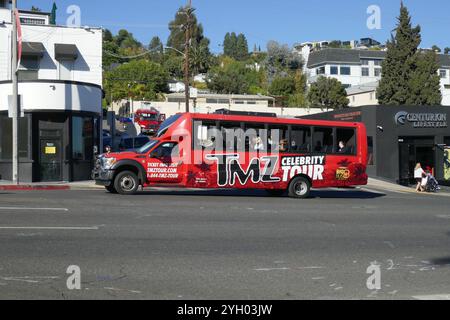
(422, 120)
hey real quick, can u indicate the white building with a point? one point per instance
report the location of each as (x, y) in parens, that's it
(210, 102)
(361, 68)
(60, 83)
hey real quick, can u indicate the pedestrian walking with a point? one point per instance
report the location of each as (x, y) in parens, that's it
(419, 175)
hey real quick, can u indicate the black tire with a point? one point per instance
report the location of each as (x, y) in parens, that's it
(111, 188)
(275, 192)
(126, 183)
(300, 188)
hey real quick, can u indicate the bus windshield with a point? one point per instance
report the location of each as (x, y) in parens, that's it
(147, 147)
(148, 116)
(167, 124)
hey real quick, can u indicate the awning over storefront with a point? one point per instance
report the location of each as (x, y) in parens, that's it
(65, 51)
(33, 49)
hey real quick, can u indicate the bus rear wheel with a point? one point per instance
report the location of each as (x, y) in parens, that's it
(300, 188)
(126, 183)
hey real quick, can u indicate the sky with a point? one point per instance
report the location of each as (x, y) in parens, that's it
(286, 21)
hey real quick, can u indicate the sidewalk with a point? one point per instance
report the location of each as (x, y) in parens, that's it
(376, 184)
(80, 185)
(382, 185)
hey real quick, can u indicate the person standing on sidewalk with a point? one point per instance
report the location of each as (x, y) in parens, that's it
(419, 174)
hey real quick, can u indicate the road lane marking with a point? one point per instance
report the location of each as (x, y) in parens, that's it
(34, 209)
(49, 228)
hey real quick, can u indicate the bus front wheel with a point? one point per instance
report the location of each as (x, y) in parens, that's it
(126, 183)
(300, 187)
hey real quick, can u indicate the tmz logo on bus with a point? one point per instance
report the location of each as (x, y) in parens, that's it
(230, 170)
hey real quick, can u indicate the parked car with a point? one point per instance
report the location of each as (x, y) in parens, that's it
(131, 143)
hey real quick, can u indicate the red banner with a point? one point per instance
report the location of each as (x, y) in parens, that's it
(19, 38)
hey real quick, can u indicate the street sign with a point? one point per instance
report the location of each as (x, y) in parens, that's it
(10, 109)
(193, 93)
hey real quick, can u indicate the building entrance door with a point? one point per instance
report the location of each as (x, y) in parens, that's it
(50, 156)
(413, 151)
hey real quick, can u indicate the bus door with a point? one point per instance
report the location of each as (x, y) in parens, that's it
(165, 164)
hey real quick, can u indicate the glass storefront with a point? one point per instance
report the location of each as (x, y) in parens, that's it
(52, 146)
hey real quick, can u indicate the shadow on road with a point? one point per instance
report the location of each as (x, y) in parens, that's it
(316, 194)
(442, 261)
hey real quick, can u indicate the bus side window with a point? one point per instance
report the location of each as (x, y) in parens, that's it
(301, 139)
(346, 141)
(278, 138)
(206, 133)
(233, 136)
(323, 140)
(255, 137)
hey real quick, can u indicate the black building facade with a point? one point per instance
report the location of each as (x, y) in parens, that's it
(399, 137)
(53, 146)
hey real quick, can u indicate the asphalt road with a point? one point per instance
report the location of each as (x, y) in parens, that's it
(223, 245)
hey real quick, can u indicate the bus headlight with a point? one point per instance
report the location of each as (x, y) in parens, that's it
(108, 163)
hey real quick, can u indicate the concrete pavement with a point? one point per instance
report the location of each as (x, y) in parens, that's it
(170, 244)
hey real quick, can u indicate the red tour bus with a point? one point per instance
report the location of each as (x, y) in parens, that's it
(241, 152)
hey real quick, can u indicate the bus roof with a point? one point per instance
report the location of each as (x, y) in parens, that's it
(271, 120)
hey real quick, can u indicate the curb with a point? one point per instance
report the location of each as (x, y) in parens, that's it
(33, 187)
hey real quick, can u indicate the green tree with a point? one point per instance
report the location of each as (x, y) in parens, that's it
(328, 93)
(282, 86)
(232, 76)
(400, 63)
(235, 46)
(177, 37)
(137, 79)
(425, 85)
(241, 48)
(435, 48)
(125, 39)
(156, 45)
(280, 60)
(447, 50)
(107, 35)
(200, 57)
(35, 9)
(156, 49)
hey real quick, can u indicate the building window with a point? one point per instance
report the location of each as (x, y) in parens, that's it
(239, 102)
(82, 138)
(345, 71)
(364, 62)
(377, 72)
(378, 63)
(177, 100)
(443, 73)
(365, 72)
(447, 86)
(320, 70)
(32, 21)
(6, 138)
(334, 70)
(29, 68)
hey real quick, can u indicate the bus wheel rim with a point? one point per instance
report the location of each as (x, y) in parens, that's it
(301, 188)
(127, 183)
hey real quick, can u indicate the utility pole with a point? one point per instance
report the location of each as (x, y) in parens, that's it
(15, 99)
(186, 53)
